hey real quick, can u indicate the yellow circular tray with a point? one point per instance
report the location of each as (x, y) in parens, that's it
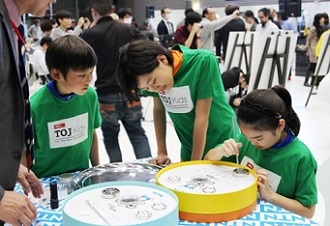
(212, 207)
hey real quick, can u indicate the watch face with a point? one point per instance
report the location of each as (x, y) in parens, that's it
(110, 193)
(240, 172)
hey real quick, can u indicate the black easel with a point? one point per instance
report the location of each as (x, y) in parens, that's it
(276, 61)
(243, 52)
(318, 68)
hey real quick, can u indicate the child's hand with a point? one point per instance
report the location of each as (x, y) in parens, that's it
(160, 160)
(227, 149)
(265, 192)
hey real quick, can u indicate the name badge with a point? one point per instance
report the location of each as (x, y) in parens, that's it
(273, 179)
(68, 132)
(177, 100)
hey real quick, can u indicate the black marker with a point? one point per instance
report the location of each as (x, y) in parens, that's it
(53, 195)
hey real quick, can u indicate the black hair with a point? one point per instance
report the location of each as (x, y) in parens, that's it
(189, 10)
(326, 18)
(46, 25)
(282, 14)
(205, 11)
(162, 11)
(137, 58)
(263, 108)
(246, 76)
(249, 13)
(61, 14)
(230, 8)
(123, 12)
(103, 7)
(266, 12)
(36, 21)
(70, 52)
(191, 18)
(316, 24)
(45, 40)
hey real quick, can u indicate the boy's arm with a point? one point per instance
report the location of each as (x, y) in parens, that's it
(160, 130)
(94, 156)
(201, 124)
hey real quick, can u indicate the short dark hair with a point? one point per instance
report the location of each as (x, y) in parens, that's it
(230, 8)
(45, 40)
(246, 76)
(162, 11)
(137, 58)
(189, 10)
(249, 13)
(46, 25)
(36, 21)
(191, 18)
(123, 12)
(265, 11)
(205, 11)
(282, 14)
(61, 14)
(103, 7)
(70, 52)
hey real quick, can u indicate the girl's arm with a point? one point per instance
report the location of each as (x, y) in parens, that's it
(202, 112)
(227, 149)
(272, 197)
(159, 115)
(94, 156)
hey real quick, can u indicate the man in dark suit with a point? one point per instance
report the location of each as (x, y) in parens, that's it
(222, 35)
(15, 208)
(165, 28)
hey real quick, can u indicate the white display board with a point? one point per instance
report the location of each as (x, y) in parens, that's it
(239, 50)
(272, 58)
(267, 56)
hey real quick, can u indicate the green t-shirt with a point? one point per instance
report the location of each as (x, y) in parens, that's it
(198, 78)
(291, 169)
(63, 131)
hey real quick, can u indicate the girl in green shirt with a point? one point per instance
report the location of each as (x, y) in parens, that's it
(269, 145)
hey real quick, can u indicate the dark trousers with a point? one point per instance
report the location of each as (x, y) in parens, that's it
(115, 107)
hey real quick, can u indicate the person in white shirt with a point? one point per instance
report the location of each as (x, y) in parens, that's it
(209, 24)
(64, 20)
(34, 31)
(266, 23)
(39, 61)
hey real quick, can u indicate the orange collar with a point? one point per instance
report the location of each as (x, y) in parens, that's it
(177, 60)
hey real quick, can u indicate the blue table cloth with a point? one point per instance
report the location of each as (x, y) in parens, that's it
(265, 214)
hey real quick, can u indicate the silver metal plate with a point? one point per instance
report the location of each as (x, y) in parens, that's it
(118, 171)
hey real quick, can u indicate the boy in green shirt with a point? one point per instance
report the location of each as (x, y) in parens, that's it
(65, 112)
